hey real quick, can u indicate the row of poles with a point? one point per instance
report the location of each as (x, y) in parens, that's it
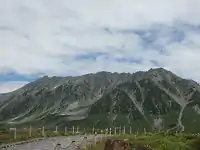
(120, 130)
(108, 131)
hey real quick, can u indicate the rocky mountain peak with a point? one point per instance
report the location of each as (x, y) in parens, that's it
(106, 99)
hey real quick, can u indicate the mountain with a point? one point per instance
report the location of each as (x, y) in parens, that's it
(156, 100)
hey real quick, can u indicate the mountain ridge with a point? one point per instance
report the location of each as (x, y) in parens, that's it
(153, 99)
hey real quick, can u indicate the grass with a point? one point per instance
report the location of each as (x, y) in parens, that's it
(158, 141)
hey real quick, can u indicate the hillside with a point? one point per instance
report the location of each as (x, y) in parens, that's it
(155, 99)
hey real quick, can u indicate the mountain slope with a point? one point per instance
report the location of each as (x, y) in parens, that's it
(156, 99)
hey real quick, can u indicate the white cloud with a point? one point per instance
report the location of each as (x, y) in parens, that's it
(43, 36)
(10, 86)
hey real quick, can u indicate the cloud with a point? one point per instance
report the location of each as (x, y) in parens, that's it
(6, 87)
(48, 37)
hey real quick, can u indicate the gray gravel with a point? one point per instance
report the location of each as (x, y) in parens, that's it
(49, 144)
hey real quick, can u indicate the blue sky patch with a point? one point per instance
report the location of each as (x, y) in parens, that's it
(151, 37)
(129, 60)
(89, 56)
(154, 34)
(16, 77)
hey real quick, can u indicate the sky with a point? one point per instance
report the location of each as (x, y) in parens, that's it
(75, 37)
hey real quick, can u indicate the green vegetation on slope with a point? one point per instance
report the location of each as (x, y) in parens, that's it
(158, 141)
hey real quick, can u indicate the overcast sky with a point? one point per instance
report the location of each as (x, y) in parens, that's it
(74, 37)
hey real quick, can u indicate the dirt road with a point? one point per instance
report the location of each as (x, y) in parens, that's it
(50, 143)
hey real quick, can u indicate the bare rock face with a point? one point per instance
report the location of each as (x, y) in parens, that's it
(158, 124)
(155, 99)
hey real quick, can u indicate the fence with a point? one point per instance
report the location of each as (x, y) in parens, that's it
(31, 132)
